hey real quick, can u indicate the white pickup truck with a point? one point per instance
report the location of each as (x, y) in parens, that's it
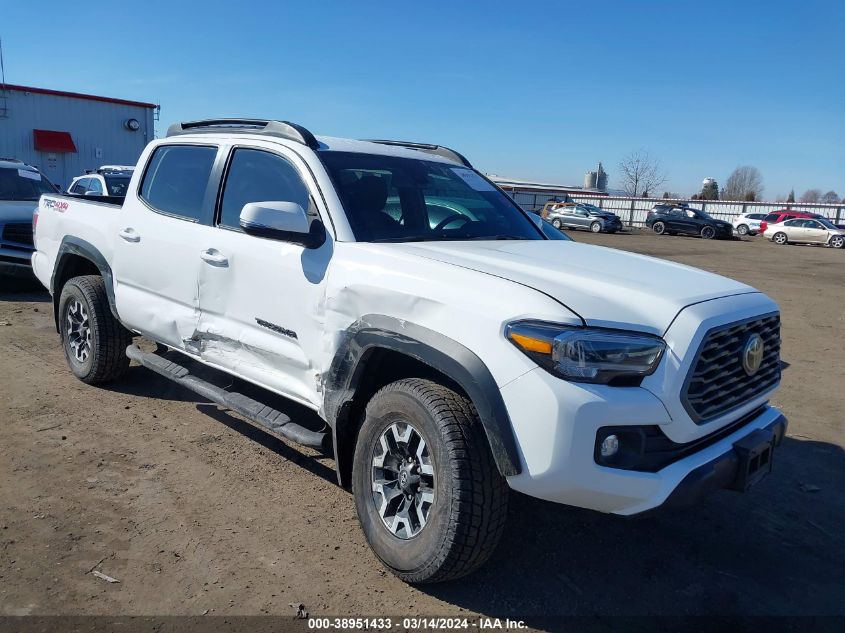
(452, 349)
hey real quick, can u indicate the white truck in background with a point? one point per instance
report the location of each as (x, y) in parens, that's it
(451, 349)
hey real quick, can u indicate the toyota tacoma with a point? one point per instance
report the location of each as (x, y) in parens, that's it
(451, 350)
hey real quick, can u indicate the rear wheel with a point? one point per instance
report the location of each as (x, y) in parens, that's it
(93, 340)
(708, 232)
(430, 499)
(780, 238)
(742, 229)
(837, 241)
(595, 227)
(659, 227)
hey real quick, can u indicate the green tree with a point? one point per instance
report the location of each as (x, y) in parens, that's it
(710, 190)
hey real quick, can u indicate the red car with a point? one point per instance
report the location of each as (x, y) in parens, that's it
(784, 214)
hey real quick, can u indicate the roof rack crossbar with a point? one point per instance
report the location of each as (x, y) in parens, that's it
(280, 129)
(429, 148)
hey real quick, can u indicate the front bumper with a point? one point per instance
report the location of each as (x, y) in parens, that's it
(556, 422)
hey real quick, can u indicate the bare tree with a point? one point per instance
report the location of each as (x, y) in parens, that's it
(640, 173)
(745, 183)
(811, 195)
(831, 197)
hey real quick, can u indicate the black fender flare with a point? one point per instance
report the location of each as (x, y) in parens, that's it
(73, 246)
(434, 349)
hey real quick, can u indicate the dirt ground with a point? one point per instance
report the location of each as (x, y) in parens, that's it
(194, 511)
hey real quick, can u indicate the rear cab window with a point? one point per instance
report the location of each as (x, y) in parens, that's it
(176, 179)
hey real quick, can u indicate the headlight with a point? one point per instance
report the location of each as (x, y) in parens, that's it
(591, 355)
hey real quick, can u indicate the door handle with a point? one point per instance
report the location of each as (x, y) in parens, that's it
(213, 256)
(129, 234)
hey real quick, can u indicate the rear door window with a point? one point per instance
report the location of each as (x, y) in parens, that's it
(176, 179)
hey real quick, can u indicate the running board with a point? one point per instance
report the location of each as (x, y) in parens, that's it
(252, 410)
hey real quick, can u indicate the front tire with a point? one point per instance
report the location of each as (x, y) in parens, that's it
(837, 241)
(780, 239)
(556, 223)
(595, 227)
(93, 340)
(708, 232)
(659, 228)
(429, 497)
(742, 230)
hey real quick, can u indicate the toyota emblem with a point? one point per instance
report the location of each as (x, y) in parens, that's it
(752, 354)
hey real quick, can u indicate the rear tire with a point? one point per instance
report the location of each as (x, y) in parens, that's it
(93, 340)
(707, 232)
(780, 239)
(595, 227)
(467, 497)
(659, 228)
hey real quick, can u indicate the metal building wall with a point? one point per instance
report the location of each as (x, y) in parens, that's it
(93, 125)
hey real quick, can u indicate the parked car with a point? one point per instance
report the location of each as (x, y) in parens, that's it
(108, 180)
(776, 217)
(606, 380)
(747, 223)
(806, 231)
(584, 216)
(673, 219)
(20, 187)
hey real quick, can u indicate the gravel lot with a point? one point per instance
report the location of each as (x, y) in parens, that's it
(194, 511)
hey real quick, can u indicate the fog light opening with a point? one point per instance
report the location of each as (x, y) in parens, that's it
(609, 446)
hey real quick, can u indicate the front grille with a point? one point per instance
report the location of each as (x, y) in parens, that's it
(18, 233)
(718, 381)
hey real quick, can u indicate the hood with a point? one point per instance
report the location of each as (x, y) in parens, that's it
(604, 286)
(17, 211)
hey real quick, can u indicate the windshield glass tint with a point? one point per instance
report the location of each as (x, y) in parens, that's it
(394, 199)
(22, 184)
(826, 223)
(117, 185)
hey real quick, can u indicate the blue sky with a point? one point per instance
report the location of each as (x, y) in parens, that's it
(535, 90)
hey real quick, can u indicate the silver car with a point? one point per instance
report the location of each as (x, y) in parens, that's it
(584, 216)
(806, 231)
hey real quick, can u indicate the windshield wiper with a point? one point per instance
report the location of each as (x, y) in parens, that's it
(499, 237)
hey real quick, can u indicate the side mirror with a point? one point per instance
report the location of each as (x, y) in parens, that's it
(283, 221)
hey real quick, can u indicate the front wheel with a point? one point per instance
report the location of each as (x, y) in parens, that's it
(595, 227)
(742, 230)
(94, 341)
(429, 497)
(837, 241)
(556, 224)
(708, 232)
(659, 228)
(780, 239)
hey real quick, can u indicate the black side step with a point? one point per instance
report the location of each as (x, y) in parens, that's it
(252, 410)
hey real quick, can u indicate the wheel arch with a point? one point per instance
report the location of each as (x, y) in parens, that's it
(77, 257)
(377, 350)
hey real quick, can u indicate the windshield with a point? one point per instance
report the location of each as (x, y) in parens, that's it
(23, 184)
(395, 199)
(826, 223)
(591, 208)
(117, 185)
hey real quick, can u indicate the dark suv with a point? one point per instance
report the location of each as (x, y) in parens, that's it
(680, 218)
